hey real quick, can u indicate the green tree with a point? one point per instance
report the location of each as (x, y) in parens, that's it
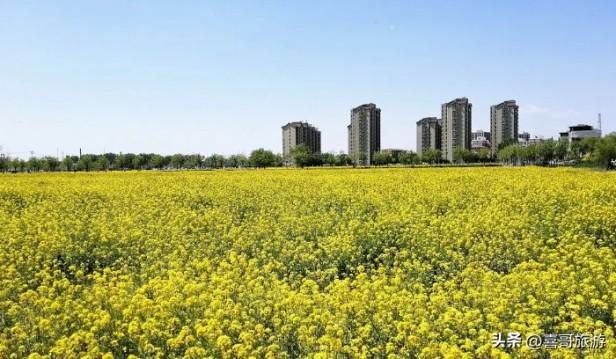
(193, 161)
(177, 161)
(4, 163)
(300, 155)
(49, 163)
(17, 165)
(382, 158)
(484, 155)
(431, 156)
(559, 149)
(461, 155)
(33, 164)
(86, 163)
(156, 161)
(261, 158)
(138, 162)
(549, 150)
(604, 154)
(236, 161)
(68, 164)
(328, 159)
(342, 159)
(409, 158)
(101, 163)
(214, 161)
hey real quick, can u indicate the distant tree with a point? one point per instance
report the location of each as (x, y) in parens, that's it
(67, 164)
(278, 160)
(236, 161)
(156, 161)
(261, 158)
(588, 145)
(431, 156)
(111, 159)
(193, 161)
(139, 162)
(559, 149)
(549, 150)
(300, 155)
(506, 154)
(484, 155)
(530, 153)
(342, 159)
(462, 155)
(382, 158)
(123, 162)
(328, 159)
(605, 151)
(214, 161)
(33, 164)
(177, 161)
(4, 163)
(409, 158)
(86, 163)
(507, 142)
(20, 165)
(101, 163)
(49, 164)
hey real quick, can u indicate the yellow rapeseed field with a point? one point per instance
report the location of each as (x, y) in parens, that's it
(327, 263)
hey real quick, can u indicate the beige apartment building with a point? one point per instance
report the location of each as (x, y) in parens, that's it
(456, 120)
(503, 123)
(299, 133)
(428, 134)
(364, 133)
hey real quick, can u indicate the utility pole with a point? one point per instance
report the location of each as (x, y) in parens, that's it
(599, 121)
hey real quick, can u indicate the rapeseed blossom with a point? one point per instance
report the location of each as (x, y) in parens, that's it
(393, 263)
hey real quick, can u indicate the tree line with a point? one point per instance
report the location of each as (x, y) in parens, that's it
(589, 152)
(259, 158)
(595, 152)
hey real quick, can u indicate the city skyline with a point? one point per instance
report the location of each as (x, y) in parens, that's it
(220, 78)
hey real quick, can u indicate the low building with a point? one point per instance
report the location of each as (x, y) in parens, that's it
(579, 132)
(479, 140)
(525, 139)
(394, 152)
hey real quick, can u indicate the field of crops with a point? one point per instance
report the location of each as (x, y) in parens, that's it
(324, 263)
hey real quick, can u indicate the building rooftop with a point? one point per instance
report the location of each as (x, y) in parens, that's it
(581, 127)
(459, 100)
(506, 103)
(427, 119)
(298, 124)
(366, 105)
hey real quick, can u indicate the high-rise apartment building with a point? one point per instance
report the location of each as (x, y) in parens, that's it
(503, 123)
(300, 133)
(364, 133)
(428, 134)
(456, 120)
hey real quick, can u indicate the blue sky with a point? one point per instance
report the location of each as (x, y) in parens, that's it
(224, 76)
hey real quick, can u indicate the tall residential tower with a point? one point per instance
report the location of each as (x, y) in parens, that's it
(503, 124)
(456, 119)
(364, 133)
(428, 134)
(300, 133)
